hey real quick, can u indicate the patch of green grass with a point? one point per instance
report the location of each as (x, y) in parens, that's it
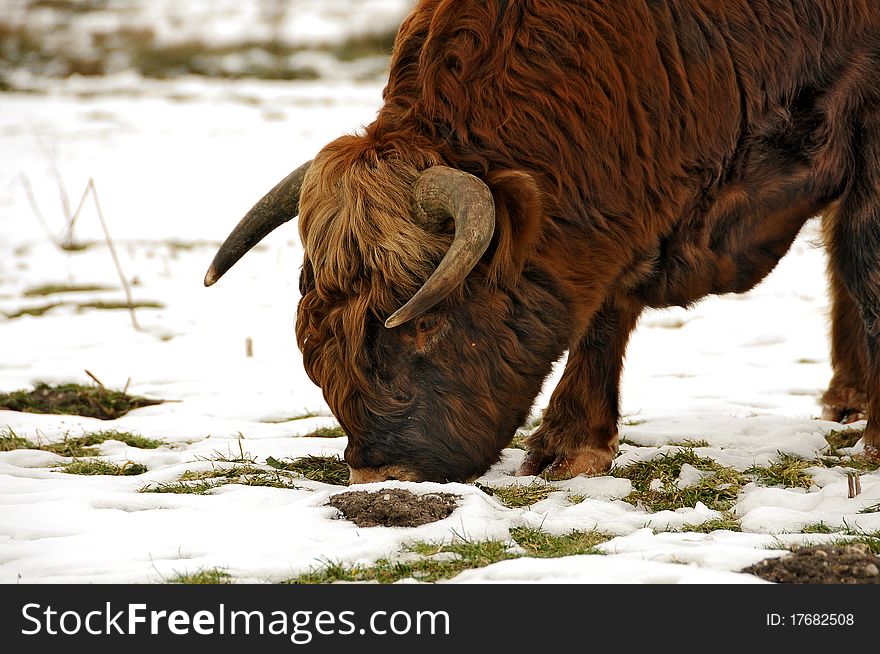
(818, 528)
(632, 422)
(9, 441)
(518, 496)
(43, 309)
(718, 490)
(78, 446)
(326, 469)
(74, 399)
(692, 443)
(445, 560)
(59, 289)
(727, 522)
(211, 576)
(519, 440)
(99, 467)
(115, 306)
(326, 432)
(850, 537)
(788, 471)
(199, 482)
(36, 311)
(540, 544)
(301, 416)
(842, 438)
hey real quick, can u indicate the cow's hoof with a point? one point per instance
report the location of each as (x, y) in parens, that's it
(844, 405)
(565, 466)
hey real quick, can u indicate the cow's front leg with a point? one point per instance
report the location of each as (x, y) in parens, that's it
(578, 434)
(846, 399)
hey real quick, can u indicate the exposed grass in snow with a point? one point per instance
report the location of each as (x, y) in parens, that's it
(84, 306)
(58, 289)
(842, 438)
(540, 544)
(788, 471)
(727, 522)
(213, 576)
(431, 562)
(74, 399)
(77, 446)
(818, 528)
(326, 432)
(199, 482)
(519, 440)
(100, 467)
(517, 496)
(656, 487)
(326, 469)
(692, 443)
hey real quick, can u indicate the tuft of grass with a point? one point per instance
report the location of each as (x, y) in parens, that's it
(43, 309)
(692, 443)
(517, 496)
(116, 306)
(788, 471)
(438, 561)
(201, 481)
(818, 528)
(59, 289)
(718, 491)
(834, 456)
(326, 432)
(727, 522)
(519, 440)
(540, 544)
(211, 576)
(326, 469)
(455, 558)
(86, 444)
(99, 467)
(852, 537)
(74, 399)
(841, 438)
(9, 441)
(36, 311)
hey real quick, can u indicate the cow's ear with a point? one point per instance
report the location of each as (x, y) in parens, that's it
(519, 216)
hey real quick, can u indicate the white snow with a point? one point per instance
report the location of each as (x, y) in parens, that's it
(176, 164)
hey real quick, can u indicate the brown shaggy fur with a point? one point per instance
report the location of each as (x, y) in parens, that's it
(641, 154)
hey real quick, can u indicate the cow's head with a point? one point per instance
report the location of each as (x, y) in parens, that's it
(422, 318)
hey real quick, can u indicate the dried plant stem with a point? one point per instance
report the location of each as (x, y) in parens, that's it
(29, 191)
(91, 186)
(96, 380)
(67, 239)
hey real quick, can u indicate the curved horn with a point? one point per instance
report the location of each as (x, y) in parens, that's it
(278, 206)
(443, 192)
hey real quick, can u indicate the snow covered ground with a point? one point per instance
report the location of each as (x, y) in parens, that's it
(176, 163)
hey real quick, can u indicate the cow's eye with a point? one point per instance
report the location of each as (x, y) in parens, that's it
(428, 324)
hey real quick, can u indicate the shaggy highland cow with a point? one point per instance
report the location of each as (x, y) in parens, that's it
(543, 170)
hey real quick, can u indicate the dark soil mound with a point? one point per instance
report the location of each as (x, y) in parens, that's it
(821, 564)
(393, 507)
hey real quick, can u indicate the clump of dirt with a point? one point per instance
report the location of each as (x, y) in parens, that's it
(821, 564)
(393, 507)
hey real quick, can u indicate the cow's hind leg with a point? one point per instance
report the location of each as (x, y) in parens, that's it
(846, 400)
(578, 433)
(853, 235)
